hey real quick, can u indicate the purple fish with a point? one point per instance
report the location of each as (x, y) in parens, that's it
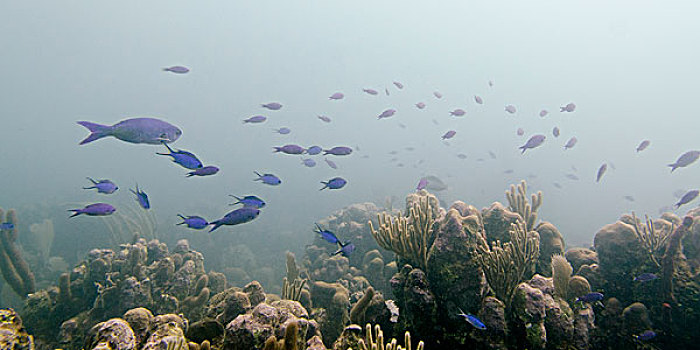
(398, 85)
(642, 146)
(345, 249)
(328, 236)
(249, 201)
(601, 172)
(141, 198)
(289, 149)
(555, 131)
(458, 112)
(204, 171)
(308, 162)
(236, 217)
(102, 186)
(478, 100)
(273, 106)
(336, 96)
(184, 158)
(371, 91)
(96, 209)
(335, 183)
(324, 118)
(420, 105)
(571, 143)
(422, 183)
(510, 109)
(448, 135)
(177, 69)
(338, 151)
(136, 130)
(437, 94)
(314, 150)
(283, 131)
(268, 179)
(387, 113)
(543, 113)
(685, 159)
(645, 277)
(193, 222)
(520, 132)
(330, 163)
(570, 107)
(534, 141)
(590, 297)
(687, 198)
(255, 119)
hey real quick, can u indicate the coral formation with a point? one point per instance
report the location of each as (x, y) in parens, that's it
(518, 203)
(292, 285)
(12, 333)
(14, 268)
(561, 273)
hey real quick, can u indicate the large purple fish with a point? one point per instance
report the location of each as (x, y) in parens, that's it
(534, 141)
(687, 198)
(97, 209)
(236, 217)
(685, 159)
(136, 130)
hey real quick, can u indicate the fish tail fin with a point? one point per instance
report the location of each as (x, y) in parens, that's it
(97, 131)
(216, 224)
(277, 149)
(522, 148)
(190, 174)
(673, 166)
(325, 185)
(76, 212)
(259, 176)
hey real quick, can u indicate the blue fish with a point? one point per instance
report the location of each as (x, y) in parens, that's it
(590, 297)
(186, 159)
(327, 235)
(141, 197)
(646, 277)
(314, 150)
(236, 217)
(102, 186)
(646, 335)
(473, 320)
(194, 222)
(249, 201)
(345, 248)
(268, 179)
(204, 171)
(7, 226)
(96, 209)
(335, 183)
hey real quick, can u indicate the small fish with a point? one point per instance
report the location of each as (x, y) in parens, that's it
(330, 163)
(601, 172)
(314, 150)
(490, 83)
(570, 107)
(7, 226)
(646, 335)
(492, 155)
(96, 209)
(386, 91)
(645, 277)
(255, 119)
(422, 183)
(336, 96)
(371, 91)
(308, 162)
(420, 105)
(572, 177)
(543, 113)
(236, 217)
(249, 201)
(590, 297)
(685, 159)
(462, 156)
(557, 185)
(328, 236)
(534, 141)
(448, 135)
(345, 249)
(642, 146)
(571, 143)
(510, 109)
(273, 106)
(324, 118)
(335, 183)
(398, 85)
(204, 171)
(283, 131)
(629, 198)
(687, 198)
(387, 113)
(393, 310)
(102, 186)
(478, 100)
(185, 159)
(458, 112)
(555, 131)
(193, 222)
(141, 198)
(289, 149)
(520, 132)
(338, 151)
(437, 94)
(268, 179)
(177, 69)
(473, 320)
(135, 130)
(508, 171)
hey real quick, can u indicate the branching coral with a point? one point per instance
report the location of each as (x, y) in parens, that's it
(127, 222)
(654, 241)
(292, 285)
(376, 341)
(409, 237)
(505, 264)
(517, 200)
(14, 268)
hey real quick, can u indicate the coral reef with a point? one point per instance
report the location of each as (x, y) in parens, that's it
(351, 338)
(14, 268)
(292, 285)
(12, 333)
(518, 203)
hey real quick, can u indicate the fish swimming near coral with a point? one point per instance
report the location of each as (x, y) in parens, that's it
(268, 179)
(473, 320)
(183, 158)
(7, 226)
(193, 222)
(422, 183)
(141, 198)
(687, 198)
(102, 186)
(328, 236)
(646, 335)
(685, 159)
(204, 171)
(335, 183)
(96, 209)
(135, 130)
(434, 183)
(236, 217)
(249, 201)
(645, 277)
(590, 297)
(601, 172)
(533, 142)
(345, 249)
(393, 309)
